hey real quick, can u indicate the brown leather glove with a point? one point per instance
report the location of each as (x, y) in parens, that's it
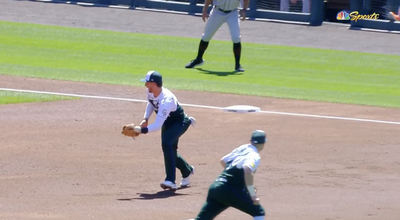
(129, 130)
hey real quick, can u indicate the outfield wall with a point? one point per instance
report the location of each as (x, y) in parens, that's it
(272, 10)
(382, 7)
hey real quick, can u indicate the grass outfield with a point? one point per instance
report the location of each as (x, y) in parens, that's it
(100, 56)
(7, 97)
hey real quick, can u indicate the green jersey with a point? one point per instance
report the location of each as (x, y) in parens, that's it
(245, 155)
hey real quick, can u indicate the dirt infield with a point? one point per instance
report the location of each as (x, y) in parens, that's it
(68, 160)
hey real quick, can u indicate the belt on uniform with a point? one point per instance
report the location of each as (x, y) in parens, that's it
(224, 10)
(221, 180)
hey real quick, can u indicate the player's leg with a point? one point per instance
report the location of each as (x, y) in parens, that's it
(186, 169)
(246, 205)
(214, 22)
(169, 139)
(212, 207)
(210, 210)
(397, 17)
(285, 5)
(394, 16)
(233, 21)
(306, 6)
(170, 155)
(241, 200)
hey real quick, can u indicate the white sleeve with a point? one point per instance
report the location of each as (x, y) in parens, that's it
(163, 112)
(156, 125)
(149, 110)
(229, 156)
(252, 163)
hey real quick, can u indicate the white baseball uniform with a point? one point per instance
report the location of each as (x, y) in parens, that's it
(166, 106)
(223, 11)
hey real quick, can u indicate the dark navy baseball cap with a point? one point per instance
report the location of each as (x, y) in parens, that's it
(153, 76)
(258, 137)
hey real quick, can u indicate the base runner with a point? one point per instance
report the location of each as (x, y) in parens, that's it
(234, 187)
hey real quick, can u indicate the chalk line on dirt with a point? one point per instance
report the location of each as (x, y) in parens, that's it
(205, 106)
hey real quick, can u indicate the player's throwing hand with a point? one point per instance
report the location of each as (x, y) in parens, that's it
(204, 16)
(242, 15)
(256, 200)
(144, 123)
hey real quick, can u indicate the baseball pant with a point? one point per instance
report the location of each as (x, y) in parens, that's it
(217, 18)
(170, 134)
(222, 196)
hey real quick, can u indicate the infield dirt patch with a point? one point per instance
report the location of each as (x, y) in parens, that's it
(68, 160)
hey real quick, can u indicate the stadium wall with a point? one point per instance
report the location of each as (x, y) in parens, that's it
(258, 9)
(381, 7)
(272, 10)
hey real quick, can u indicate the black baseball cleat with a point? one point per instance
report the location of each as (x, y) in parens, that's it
(194, 63)
(239, 68)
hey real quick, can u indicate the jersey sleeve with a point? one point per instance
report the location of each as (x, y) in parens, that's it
(229, 156)
(164, 109)
(149, 110)
(252, 162)
(156, 125)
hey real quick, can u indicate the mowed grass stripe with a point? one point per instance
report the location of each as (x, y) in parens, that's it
(8, 97)
(123, 58)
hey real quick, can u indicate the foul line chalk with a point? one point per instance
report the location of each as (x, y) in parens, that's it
(206, 106)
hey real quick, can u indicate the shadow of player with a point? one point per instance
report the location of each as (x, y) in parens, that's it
(158, 195)
(219, 73)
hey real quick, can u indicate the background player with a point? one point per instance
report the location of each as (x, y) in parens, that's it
(223, 11)
(234, 186)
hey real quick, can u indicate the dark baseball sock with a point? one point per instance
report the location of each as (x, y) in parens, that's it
(202, 48)
(237, 50)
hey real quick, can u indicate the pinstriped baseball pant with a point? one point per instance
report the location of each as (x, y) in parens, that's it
(217, 18)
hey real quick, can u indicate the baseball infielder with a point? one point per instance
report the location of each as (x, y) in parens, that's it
(223, 11)
(173, 122)
(234, 186)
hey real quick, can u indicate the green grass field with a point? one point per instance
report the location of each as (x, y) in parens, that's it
(7, 97)
(99, 56)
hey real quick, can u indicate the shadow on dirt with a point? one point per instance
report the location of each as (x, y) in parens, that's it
(158, 195)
